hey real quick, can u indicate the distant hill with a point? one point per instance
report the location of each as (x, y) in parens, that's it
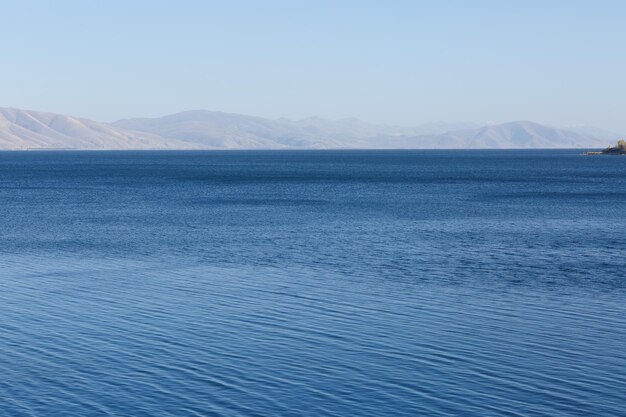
(225, 130)
(512, 135)
(358, 129)
(202, 129)
(607, 135)
(23, 129)
(228, 130)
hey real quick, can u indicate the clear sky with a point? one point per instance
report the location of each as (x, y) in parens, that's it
(400, 62)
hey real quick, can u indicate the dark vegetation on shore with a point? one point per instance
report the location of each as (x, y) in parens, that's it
(620, 149)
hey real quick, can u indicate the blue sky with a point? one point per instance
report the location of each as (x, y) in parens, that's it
(400, 62)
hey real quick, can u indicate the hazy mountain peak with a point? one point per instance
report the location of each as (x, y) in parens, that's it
(201, 129)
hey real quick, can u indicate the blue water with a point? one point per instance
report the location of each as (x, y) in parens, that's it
(331, 283)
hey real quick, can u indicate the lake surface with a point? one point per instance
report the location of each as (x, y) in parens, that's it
(330, 283)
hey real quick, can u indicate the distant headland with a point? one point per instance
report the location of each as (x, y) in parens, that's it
(620, 149)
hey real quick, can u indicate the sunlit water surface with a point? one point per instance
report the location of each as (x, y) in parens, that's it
(335, 283)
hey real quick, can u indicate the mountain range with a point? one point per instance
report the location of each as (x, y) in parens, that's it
(202, 129)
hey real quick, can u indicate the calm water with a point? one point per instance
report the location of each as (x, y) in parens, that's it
(347, 283)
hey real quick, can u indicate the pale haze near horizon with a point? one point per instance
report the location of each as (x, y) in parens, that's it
(402, 62)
